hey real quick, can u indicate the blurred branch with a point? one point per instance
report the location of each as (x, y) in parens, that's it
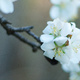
(16, 32)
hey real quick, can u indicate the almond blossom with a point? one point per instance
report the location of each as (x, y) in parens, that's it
(55, 41)
(61, 41)
(64, 9)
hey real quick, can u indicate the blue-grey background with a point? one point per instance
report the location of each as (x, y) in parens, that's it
(17, 61)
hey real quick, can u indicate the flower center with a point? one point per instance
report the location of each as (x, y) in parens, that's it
(62, 5)
(59, 49)
(55, 32)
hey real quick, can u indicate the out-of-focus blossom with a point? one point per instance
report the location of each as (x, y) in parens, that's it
(74, 76)
(64, 9)
(71, 67)
(6, 6)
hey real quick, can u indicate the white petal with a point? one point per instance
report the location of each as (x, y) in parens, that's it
(60, 40)
(6, 6)
(63, 58)
(49, 54)
(76, 33)
(71, 67)
(78, 55)
(46, 38)
(65, 67)
(55, 1)
(47, 46)
(74, 76)
(54, 12)
(58, 23)
(66, 29)
(74, 59)
(48, 29)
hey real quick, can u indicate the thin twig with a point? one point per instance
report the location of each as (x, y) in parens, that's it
(34, 46)
(34, 36)
(15, 32)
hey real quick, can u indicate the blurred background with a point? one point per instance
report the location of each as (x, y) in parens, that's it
(17, 61)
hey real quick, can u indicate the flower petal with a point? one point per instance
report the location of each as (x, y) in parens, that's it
(60, 40)
(55, 1)
(74, 58)
(49, 54)
(48, 29)
(46, 38)
(63, 58)
(66, 29)
(47, 46)
(70, 67)
(58, 23)
(54, 12)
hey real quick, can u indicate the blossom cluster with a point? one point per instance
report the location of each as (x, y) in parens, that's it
(73, 69)
(6, 6)
(64, 9)
(61, 40)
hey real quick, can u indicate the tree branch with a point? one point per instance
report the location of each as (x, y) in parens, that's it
(16, 32)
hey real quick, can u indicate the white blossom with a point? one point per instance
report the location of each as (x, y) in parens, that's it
(6, 6)
(75, 43)
(74, 76)
(55, 41)
(58, 28)
(71, 67)
(64, 9)
(61, 40)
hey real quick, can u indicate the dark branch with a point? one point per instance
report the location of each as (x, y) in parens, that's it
(34, 36)
(34, 46)
(15, 32)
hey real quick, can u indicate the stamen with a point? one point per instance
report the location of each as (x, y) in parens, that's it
(75, 49)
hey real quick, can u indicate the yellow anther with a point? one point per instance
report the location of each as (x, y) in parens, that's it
(55, 30)
(59, 52)
(62, 5)
(75, 49)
